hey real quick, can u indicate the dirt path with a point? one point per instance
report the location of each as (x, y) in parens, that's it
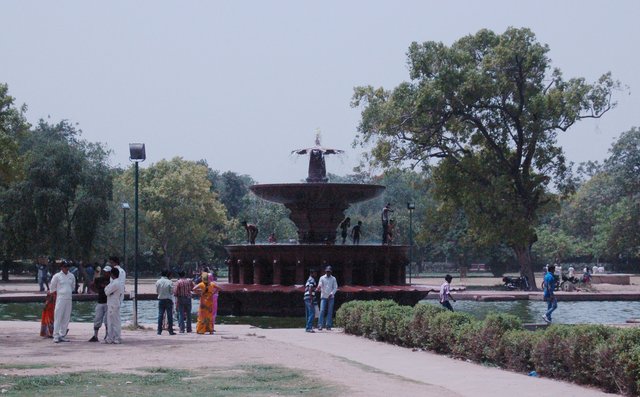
(358, 366)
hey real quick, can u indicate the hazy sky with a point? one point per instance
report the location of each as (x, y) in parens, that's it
(242, 83)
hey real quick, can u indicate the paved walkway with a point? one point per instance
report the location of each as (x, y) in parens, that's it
(456, 376)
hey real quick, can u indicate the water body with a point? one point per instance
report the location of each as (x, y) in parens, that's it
(147, 314)
(607, 312)
(583, 312)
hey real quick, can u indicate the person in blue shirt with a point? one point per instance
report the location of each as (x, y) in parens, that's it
(548, 286)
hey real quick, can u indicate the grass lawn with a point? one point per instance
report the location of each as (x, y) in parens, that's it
(252, 380)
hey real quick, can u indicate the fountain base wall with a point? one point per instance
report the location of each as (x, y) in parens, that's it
(289, 264)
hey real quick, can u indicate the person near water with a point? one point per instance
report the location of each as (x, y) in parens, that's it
(114, 261)
(46, 324)
(445, 293)
(252, 232)
(548, 287)
(63, 283)
(182, 292)
(328, 286)
(356, 232)
(206, 289)
(310, 299)
(164, 288)
(114, 292)
(99, 284)
(344, 229)
(385, 216)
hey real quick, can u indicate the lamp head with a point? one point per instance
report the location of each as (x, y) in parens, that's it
(137, 152)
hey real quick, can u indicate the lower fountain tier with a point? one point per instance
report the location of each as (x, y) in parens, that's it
(289, 264)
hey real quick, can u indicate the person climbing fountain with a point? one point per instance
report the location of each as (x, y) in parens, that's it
(385, 223)
(344, 229)
(252, 232)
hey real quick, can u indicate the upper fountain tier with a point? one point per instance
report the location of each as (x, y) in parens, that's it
(317, 207)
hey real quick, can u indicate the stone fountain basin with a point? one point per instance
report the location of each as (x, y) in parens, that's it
(316, 194)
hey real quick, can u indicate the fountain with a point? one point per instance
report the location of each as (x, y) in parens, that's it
(267, 279)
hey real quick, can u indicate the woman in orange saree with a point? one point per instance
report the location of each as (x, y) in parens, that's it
(206, 289)
(46, 324)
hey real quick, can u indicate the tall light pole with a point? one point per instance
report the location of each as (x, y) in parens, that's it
(137, 154)
(410, 206)
(125, 208)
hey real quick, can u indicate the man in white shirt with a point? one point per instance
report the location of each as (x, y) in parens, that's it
(115, 263)
(114, 291)
(63, 283)
(445, 293)
(328, 286)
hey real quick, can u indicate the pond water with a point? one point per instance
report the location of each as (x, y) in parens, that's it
(147, 314)
(607, 312)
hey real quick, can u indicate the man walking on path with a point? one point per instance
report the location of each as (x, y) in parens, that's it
(102, 311)
(164, 288)
(328, 286)
(445, 293)
(548, 286)
(63, 283)
(114, 292)
(310, 299)
(182, 292)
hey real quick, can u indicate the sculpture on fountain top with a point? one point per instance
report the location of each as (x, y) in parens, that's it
(317, 167)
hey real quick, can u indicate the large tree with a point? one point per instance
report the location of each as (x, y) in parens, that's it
(181, 215)
(62, 200)
(489, 108)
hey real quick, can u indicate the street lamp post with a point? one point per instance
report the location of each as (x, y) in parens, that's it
(410, 206)
(125, 208)
(137, 154)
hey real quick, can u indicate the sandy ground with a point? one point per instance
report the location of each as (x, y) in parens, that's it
(360, 367)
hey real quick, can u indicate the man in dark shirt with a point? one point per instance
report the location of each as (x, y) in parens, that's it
(101, 307)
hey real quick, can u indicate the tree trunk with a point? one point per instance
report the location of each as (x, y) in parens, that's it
(524, 260)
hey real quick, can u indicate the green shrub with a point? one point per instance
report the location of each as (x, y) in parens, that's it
(517, 346)
(618, 362)
(349, 317)
(481, 341)
(420, 325)
(583, 341)
(391, 324)
(445, 327)
(550, 352)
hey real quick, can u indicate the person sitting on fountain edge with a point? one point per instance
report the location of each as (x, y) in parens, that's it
(252, 232)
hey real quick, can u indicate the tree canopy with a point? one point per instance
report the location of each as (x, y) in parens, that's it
(488, 108)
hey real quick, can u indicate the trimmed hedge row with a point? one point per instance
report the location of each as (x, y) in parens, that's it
(597, 355)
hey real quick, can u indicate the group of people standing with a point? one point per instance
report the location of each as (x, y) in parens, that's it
(58, 304)
(204, 286)
(327, 286)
